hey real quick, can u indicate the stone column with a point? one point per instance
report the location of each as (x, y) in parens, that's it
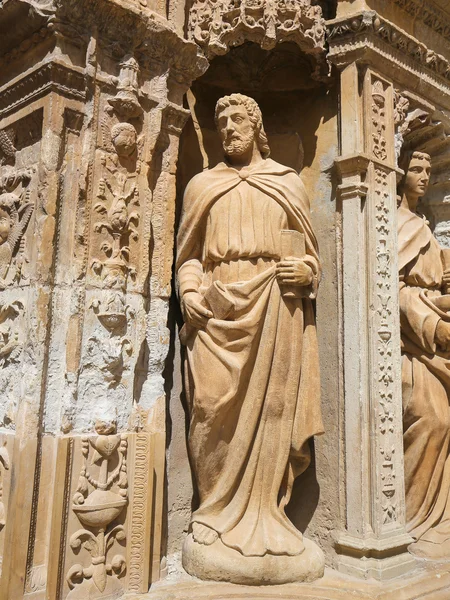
(374, 543)
(373, 54)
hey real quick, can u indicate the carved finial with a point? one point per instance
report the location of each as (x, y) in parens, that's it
(126, 102)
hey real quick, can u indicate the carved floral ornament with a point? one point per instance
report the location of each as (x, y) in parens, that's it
(118, 193)
(217, 25)
(379, 120)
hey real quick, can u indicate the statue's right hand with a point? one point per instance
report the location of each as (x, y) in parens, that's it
(195, 313)
(442, 335)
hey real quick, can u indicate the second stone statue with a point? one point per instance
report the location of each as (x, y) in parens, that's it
(248, 271)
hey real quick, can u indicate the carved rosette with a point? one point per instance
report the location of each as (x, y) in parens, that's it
(217, 25)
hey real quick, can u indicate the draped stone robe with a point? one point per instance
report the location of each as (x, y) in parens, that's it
(252, 379)
(426, 387)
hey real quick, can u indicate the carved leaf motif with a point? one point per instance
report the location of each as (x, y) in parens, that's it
(101, 208)
(75, 575)
(117, 533)
(99, 576)
(82, 487)
(117, 190)
(85, 538)
(20, 226)
(98, 227)
(7, 143)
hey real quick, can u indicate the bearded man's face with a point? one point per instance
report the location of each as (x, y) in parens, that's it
(236, 130)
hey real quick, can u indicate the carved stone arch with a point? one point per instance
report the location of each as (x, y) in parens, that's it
(219, 25)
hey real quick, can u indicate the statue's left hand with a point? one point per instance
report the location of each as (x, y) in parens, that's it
(294, 271)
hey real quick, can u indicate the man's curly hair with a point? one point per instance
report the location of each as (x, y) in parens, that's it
(254, 114)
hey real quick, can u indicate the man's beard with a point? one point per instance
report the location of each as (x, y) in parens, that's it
(238, 144)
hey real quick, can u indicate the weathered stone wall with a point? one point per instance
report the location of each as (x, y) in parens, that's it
(89, 143)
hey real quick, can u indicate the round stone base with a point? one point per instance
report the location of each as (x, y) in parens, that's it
(431, 550)
(218, 562)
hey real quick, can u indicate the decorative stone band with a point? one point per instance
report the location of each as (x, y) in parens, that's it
(39, 81)
(218, 25)
(348, 30)
(24, 46)
(427, 12)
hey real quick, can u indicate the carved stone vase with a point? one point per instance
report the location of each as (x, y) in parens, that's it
(96, 512)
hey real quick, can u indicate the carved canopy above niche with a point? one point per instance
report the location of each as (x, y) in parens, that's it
(217, 25)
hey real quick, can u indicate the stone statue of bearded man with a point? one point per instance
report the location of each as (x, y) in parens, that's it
(248, 271)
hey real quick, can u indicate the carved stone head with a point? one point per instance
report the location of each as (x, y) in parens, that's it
(123, 137)
(239, 123)
(417, 167)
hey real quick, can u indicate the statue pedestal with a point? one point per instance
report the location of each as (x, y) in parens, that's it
(218, 562)
(427, 581)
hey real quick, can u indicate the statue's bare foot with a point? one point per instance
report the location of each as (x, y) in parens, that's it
(203, 534)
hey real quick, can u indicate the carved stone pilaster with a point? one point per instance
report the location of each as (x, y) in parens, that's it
(374, 543)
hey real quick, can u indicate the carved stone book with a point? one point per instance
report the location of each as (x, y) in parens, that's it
(219, 301)
(292, 244)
